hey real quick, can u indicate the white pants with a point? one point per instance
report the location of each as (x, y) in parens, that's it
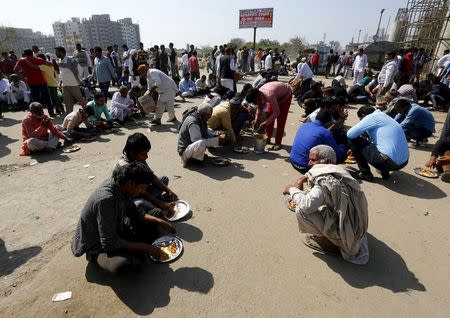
(228, 83)
(121, 113)
(357, 76)
(187, 94)
(84, 71)
(35, 144)
(197, 149)
(165, 103)
(346, 69)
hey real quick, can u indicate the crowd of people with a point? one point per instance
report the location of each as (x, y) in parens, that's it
(120, 219)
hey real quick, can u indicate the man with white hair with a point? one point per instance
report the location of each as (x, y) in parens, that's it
(331, 208)
(158, 81)
(194, 136)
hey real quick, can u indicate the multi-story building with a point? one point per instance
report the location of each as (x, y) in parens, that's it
(130, 32)
(68, 33)
(98, 30)
(21, 39)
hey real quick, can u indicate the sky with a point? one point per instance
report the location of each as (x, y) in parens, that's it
(216, 22)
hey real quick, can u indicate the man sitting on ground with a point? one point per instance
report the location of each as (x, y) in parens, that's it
(310, 135)
(440, 155)
(187, 87)
(122, 107)
(72, 122)
(112, 231)
(417, 122)
(223, 117)
(311, 99)
(99, 106)
(387, 150)
(38, 131)
(19, 92)
(152, 201)
(439, 95)
(194, 137)
(202, 87)
(334, 213)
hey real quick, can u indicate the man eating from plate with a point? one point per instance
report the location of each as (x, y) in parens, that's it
(112, 231)
(333, 213)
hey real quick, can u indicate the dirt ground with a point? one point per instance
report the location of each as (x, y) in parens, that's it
(243, 253)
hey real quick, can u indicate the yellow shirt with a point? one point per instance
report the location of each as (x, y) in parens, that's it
(221, 119)
(49, 75)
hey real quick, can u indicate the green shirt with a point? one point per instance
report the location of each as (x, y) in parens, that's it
(99, 110)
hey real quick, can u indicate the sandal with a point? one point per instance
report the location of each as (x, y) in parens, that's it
(275, 147)
(310, 242)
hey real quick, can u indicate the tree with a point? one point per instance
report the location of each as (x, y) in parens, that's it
(7, 36)
(268, 43)
(236, 43)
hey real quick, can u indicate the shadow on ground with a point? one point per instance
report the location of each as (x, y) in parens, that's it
(9, 261)
(386, 269)
(149, 288)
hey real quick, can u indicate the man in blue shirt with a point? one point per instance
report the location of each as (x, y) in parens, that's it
(387, 150)
(417, 122)
(187, 87)
(103, 71)
(312, 134)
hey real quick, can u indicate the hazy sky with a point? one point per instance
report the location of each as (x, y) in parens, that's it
(215, 22)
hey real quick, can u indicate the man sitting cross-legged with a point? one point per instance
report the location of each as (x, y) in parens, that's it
(112, 231)
(331, 208)
(38, 131)
(152, 200)
(72, 122)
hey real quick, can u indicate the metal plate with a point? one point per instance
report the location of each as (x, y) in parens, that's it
(165, 242)
(241, 149)
(221, 162)
(71, 149)
(425, 172)
(182, 208)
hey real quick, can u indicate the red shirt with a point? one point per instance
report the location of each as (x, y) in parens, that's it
(32, 76)
(193, 64)
(409, 62)
(315, 59)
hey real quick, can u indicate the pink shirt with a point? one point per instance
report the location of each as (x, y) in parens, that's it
(276, 94)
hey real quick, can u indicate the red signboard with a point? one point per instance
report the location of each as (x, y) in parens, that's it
(256, 18)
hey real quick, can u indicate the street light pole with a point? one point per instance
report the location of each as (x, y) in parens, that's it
(375, 37)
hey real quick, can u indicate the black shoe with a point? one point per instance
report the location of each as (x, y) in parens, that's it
(445, 177)
(156, 122)
(385, 174)
(363, 176)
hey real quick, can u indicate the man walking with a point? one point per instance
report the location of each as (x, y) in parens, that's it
(103, 71)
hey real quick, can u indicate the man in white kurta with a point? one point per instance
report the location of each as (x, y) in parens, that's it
(158, 81)
(359, 66)
(121, 105)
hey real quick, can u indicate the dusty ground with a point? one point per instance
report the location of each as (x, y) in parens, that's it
(243, 253)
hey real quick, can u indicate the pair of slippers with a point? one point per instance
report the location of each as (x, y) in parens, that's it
(310, 241)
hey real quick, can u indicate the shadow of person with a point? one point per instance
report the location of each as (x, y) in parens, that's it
(411, 185)
(145, 290)
(9, 261)
(222, 173)
(8, 122)
(188, 232)
(4, 142)
(386, 269)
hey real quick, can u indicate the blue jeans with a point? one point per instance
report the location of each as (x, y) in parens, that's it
(417, 133)
(239, 122)
(367, 153)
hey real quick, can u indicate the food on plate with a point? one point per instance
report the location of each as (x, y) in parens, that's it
(168, 251)
(291, 205)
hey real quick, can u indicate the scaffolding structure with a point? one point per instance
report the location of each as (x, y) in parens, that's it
(426, 24)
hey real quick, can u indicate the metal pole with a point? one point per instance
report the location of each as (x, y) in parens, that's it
(375, 38)
(254, 39)
(359, 34)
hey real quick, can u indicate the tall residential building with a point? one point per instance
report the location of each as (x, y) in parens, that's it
(68, 33)
(130, 32)
(98, 30)
(21, 39)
